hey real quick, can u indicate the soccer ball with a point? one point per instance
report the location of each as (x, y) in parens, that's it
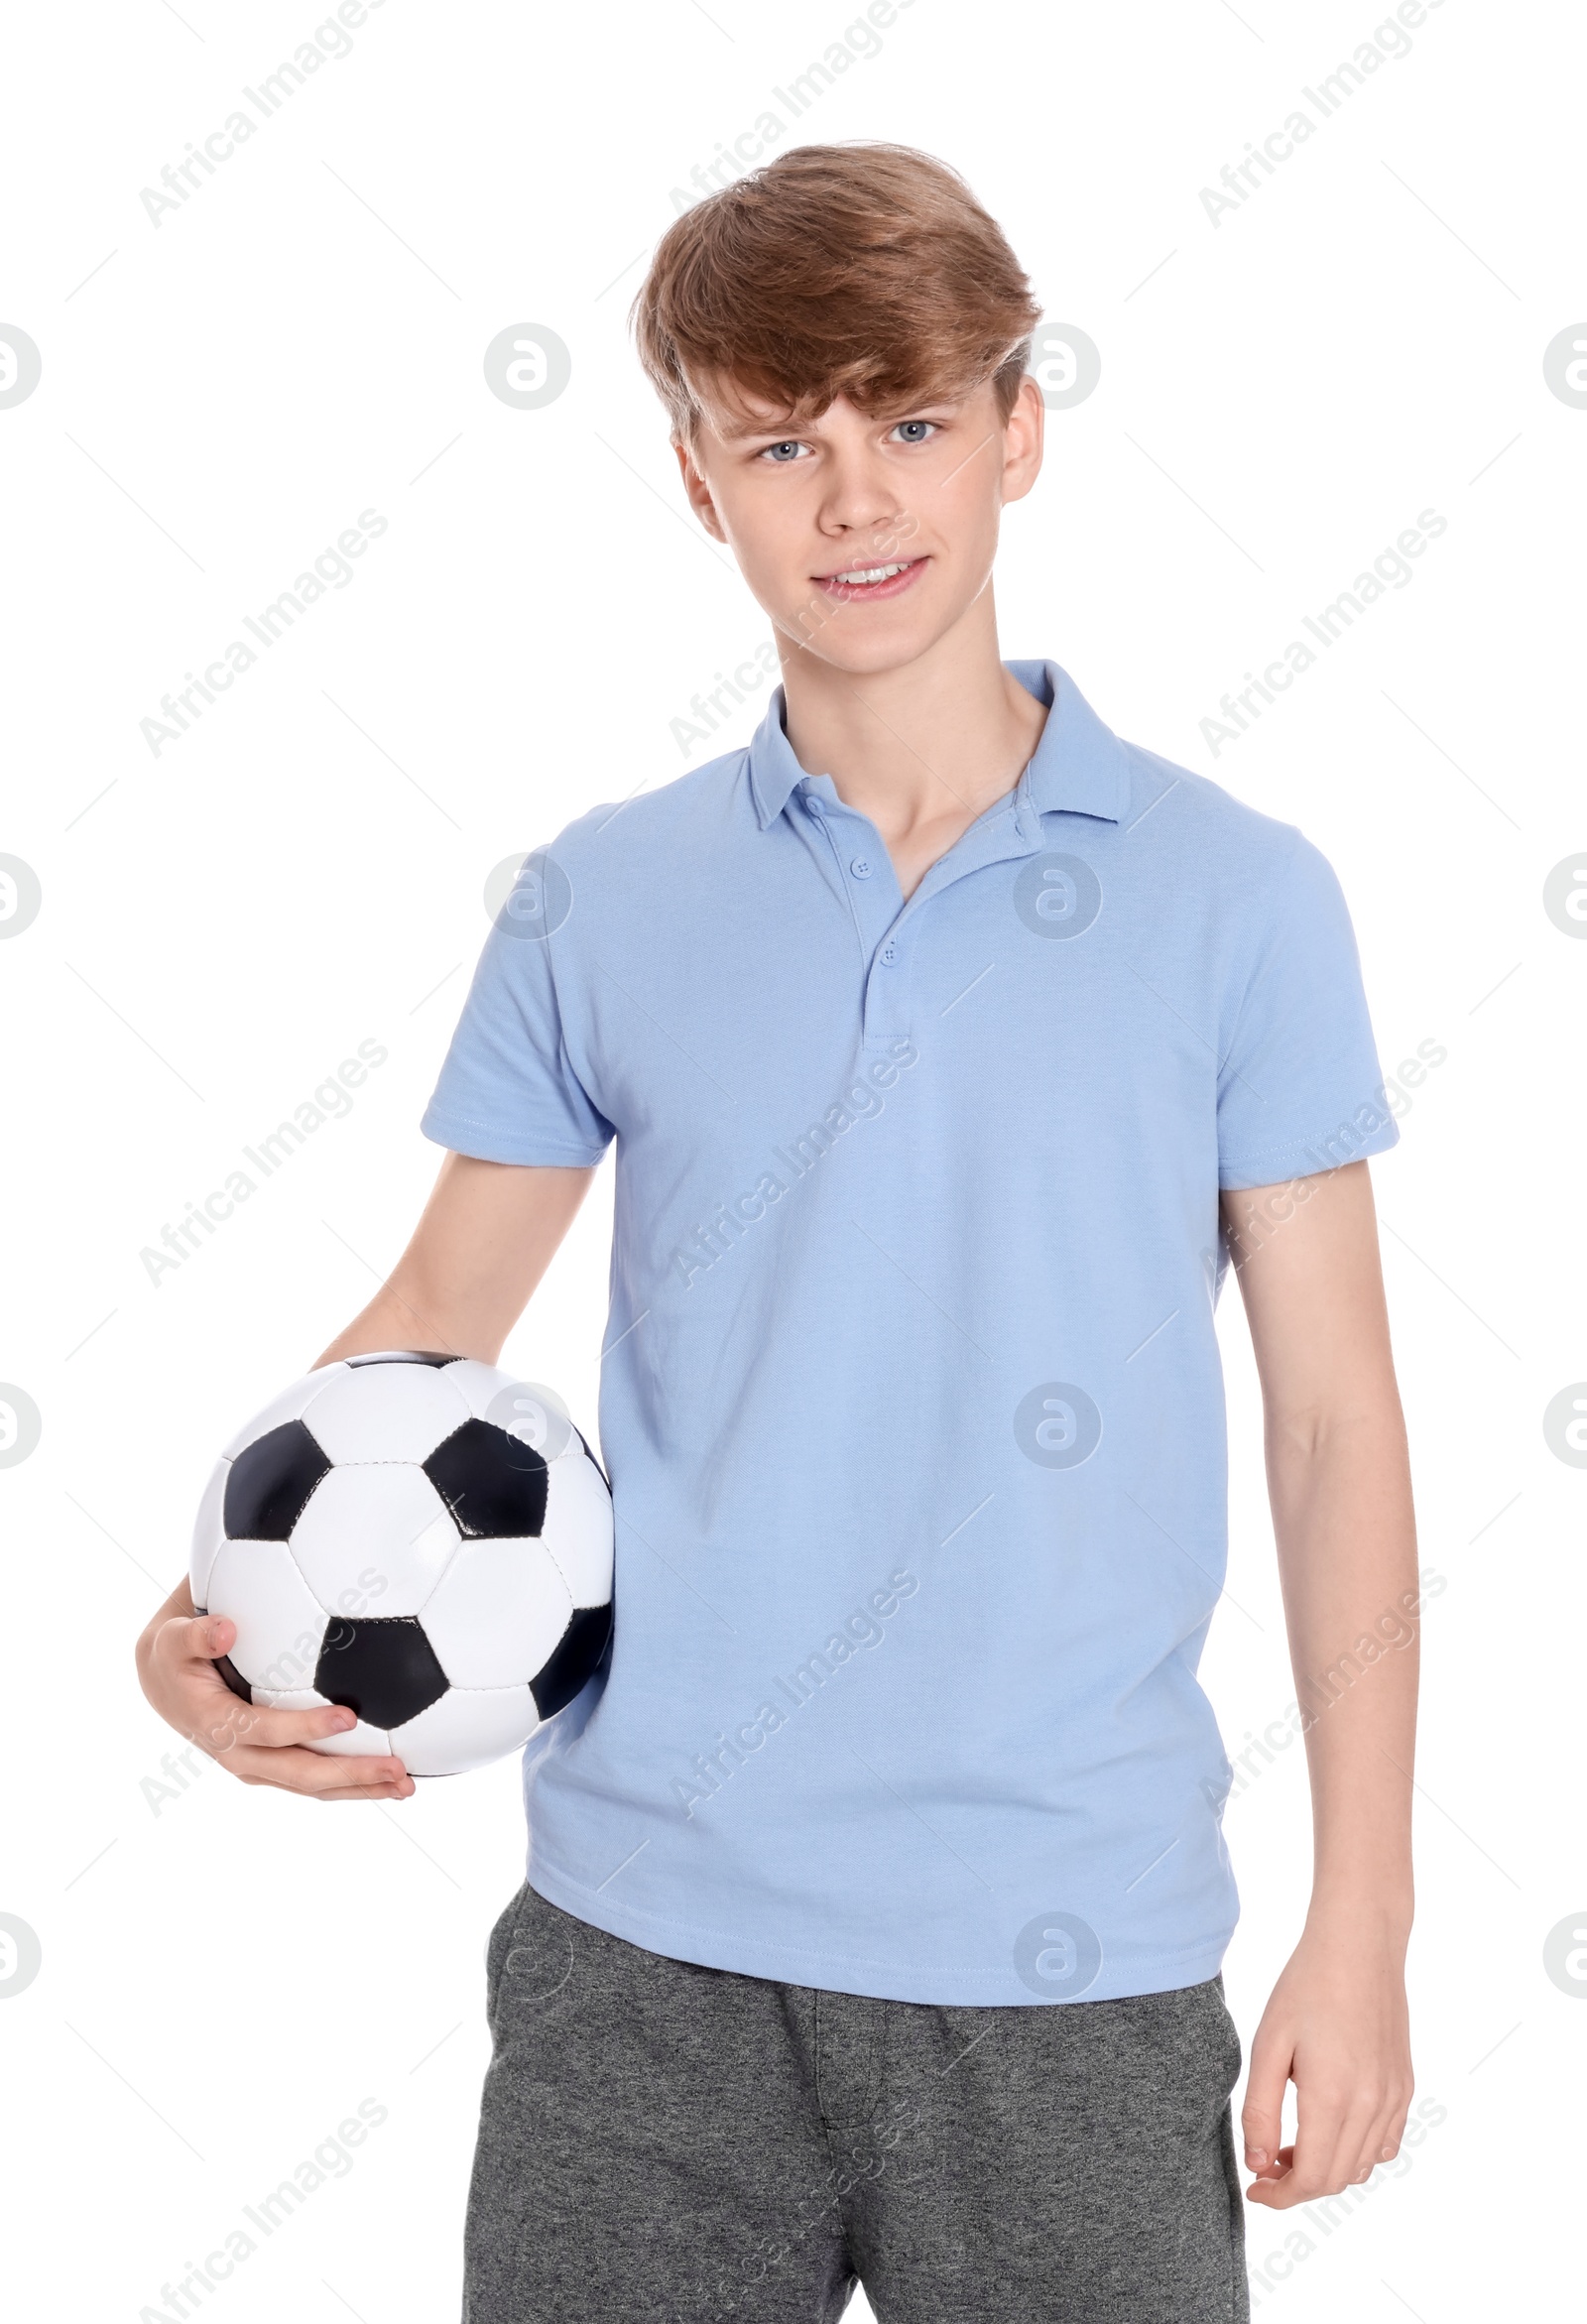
(420, 1537)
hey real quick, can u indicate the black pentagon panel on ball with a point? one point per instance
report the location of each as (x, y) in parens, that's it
(384, 1669)
(494, 1484)
(234, 1677)
(269, 1484)
(401, 1356)
(573, 1659)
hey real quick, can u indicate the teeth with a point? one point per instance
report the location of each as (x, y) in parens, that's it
(875, 572)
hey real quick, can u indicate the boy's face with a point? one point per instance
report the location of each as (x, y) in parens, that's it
(912, 496)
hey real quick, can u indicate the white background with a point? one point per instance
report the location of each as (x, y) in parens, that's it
(222, 394)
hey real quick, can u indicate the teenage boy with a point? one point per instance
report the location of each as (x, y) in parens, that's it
(877, 1894)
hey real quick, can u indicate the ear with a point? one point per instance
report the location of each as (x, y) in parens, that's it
(1023, 439)
(699, 491)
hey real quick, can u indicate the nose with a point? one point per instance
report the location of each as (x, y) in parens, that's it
(862, 500)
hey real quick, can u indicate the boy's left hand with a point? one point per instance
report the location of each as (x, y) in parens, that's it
(1338, 2028)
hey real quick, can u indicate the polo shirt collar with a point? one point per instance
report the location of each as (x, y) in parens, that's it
(1078, 764)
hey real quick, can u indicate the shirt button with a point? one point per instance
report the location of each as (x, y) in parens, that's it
(860, 868)
(887, 955)
(812, 806)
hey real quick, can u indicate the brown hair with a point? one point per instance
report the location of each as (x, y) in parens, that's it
(866, 270)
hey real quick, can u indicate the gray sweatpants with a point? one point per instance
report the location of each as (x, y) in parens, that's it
(661, 2142)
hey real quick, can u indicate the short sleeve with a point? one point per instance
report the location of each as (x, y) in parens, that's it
(1299, 1088)
(508, 1091)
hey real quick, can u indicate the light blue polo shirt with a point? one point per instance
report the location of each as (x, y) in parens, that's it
(911, 1399)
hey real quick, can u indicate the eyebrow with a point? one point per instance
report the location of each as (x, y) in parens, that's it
(787, 424)
(735, 432)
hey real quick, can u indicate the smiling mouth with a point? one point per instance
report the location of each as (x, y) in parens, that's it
(871, 582)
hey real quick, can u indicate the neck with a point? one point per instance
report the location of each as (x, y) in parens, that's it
(928, 745)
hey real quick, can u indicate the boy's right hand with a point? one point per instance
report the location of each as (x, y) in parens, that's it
(176, 1670)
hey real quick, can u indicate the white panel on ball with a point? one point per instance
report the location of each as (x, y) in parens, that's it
(466, 1730)
(281, 1626)
(384, 1413)
(525, 1409)
(497, 1613)
(291, 1404)
(360, 1742)
(578, 1525)
(208, 1532)
(386, 1520)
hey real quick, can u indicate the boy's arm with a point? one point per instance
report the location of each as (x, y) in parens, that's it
(488, 1233)
(1339, 1482)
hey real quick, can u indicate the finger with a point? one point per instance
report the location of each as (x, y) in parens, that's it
(226, 1719)
(1373, 2128)
(400, 1788)
(1272, 2188)
(361, 1791)
(1328, 2134)
(187, 1652)
(1381, 2141)
(1354, 2159)
(320, 1774)
(198, 1637)
(1394, 2128)
(270, 1727)
(1262, 2116)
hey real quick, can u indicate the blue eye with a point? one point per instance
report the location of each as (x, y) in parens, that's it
(773, 451)
(905, 426)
